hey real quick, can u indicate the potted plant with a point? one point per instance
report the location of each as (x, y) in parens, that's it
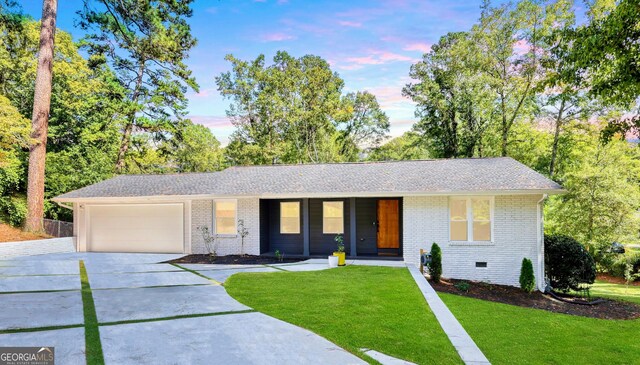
(340, 253)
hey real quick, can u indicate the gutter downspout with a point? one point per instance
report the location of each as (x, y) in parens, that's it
(540, 237)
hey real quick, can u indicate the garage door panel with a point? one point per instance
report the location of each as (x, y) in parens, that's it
(136, 228)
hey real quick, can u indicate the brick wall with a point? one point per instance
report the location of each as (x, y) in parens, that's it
(426, 220)
(202, 215)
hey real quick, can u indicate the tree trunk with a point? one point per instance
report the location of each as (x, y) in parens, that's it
(40, 118)
(556, 137)
(124, 146)
(505, 127)
(128, 129)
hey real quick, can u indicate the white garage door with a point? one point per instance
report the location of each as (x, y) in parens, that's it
(136, 228)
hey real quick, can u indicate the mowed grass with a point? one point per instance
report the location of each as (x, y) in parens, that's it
(603, 289)
(356, 307)
(514, 335)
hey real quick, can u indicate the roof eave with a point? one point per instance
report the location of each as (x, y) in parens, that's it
(116, 199)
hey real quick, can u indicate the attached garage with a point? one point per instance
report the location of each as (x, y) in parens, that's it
(156, 228)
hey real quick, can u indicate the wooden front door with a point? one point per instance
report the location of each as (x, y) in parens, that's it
(388, 223)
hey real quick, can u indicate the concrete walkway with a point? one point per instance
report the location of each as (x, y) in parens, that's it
(149, 313)
(10, 250)
(463, 343)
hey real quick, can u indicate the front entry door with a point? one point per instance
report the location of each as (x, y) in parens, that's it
(388, 223)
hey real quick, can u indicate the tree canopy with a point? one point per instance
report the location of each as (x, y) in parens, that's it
(293, 111)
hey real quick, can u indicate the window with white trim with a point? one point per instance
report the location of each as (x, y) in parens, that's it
(470, 219)
(225, 213)
(290, 217)
(333, 217)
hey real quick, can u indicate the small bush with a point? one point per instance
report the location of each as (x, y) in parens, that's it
(435, 268)
(527, 278)
(627, 264)
(13, 210)
(462, 286)
(567, 264)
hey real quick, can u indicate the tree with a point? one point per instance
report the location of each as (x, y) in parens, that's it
(14, 135)
(451, 98)
(146, 43)
(40, 118)
(603, 184)
(82, 137)
(510, 39)
(604, 54)
(562, 101)
(293, 111)
(258, 135)
(408, 146)
(362, 124)
(195, 149)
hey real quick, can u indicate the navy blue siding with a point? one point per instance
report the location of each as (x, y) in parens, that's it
(287, 243)
(366, 229)
(324, 244)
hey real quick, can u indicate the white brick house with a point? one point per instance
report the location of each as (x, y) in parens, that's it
(486, 214)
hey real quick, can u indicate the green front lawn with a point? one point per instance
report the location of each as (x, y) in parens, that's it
(356, 307)
(508, 334)
(629, 293)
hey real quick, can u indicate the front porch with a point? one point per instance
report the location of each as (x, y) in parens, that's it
(307, 227)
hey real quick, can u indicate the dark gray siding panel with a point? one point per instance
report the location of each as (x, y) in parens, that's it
(264, 226)
(287, 243)
(366, 229)
(324, 244)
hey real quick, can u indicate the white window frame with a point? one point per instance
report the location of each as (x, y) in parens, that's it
(324, 231)
(468, 200)
(235, 218)
(290, 202)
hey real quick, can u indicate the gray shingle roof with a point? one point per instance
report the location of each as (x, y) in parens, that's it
(411, 177)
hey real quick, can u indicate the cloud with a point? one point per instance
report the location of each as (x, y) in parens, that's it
(378, 58)
(521, 47)
(204, 93)
(212, 10)
(277, 37)
(212, 121)
(419, 47)
(347, 23)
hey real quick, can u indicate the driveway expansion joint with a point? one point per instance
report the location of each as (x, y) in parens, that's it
(194, 272)
(196, 315)
(279, 268)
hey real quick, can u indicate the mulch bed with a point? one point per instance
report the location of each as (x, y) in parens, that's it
(615, 280)
(607, 309)
(13, 234)
(232, 259)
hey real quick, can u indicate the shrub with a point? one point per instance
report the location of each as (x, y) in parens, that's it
(568, 265)
(627, 264)
(13, 210)
(462, 286)
(435, 268)
(527, 278)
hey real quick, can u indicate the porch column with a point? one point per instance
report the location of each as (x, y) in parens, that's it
(352, 226)
(305, 227)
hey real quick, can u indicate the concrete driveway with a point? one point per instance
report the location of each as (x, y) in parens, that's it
(149, 313)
